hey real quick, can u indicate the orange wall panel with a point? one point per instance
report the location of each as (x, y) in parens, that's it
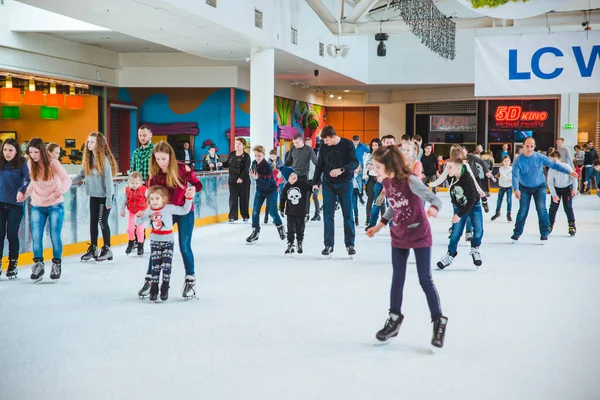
(349, 134)
(354, 119)
(371, 119)
(335, 118)
(369, 135)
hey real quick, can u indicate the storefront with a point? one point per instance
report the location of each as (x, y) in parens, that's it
(589, 120)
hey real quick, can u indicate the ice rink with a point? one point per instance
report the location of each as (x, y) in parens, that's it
(266, 326)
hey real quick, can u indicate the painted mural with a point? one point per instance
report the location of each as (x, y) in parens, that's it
(293, 117)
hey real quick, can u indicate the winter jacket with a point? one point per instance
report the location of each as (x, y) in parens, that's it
(266, 180)
(294, 197)
(463, 192)
(43, 192)
(12, 181)
(177, 194)
(135, 200)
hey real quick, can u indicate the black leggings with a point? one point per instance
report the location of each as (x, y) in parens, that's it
(370, 193)
(99, 216)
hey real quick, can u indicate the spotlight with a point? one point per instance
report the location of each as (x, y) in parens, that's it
(331, 96)
(381, 50)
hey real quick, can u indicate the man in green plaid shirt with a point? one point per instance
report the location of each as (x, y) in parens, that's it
(140, 161)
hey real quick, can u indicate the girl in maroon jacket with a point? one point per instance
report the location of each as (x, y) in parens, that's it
(135, 201)
(175, 176)
(410, 229)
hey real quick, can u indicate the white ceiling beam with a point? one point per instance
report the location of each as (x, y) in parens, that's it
(360, 10)
(323, 12)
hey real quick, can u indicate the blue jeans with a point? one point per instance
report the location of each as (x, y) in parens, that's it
(590, 173)
(10, 220)
(375, 210)
(39, 216)
(501, 193)
(361, 184)
(185, 228)
(539, 197)
(355, 202)
(476, 216)
(259, 199)
(343, 192)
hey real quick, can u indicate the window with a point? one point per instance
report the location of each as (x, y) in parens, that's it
(294, 36)
(212, 3)
(321, 49)
(258, 18)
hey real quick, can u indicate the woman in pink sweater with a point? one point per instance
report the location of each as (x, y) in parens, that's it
(49, 181)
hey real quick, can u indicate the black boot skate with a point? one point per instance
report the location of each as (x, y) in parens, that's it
(484, 203)
(327, 251)
(146, 288)
(439, 332)
(356, 221)
(316, 217)
(164, 290)
(154, 291)
(189, 290)
(105, 254)
(12, 270)
(130, 247)
(37, 271)
(300, 250)
(495, 216)
(91, 253)
(351, 250)
(290, 249)
(508, 217)
(56, 269)
(551, 227)
(253, 236)
(140, 249)
(281, 231)
(391, 327)
(572, 229)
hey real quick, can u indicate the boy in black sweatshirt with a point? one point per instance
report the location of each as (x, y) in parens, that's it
(430, 165)
(266, 189)
(294, 196)
(465, 200)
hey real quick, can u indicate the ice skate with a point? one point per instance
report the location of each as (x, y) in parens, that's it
(37, 271)
(92, 252)
(446, 261)
(300, 250)
(154, 291)
(12, 271)
(140, 249)
(356, 221)
(56, 269)
(105, 254)
(551, 227)
(495, 216)
(281, 231)
(514, 238)
(253, 236)
(508, 217)
(391, 327)
(476, 255)
(439, 332)
(351, 251)
(327, 251)
(164, 290)
(290, 250)
(485, 205)
(468, 236)
(543, 240)
(572, 229)
(316, 217)
(146, 288)
(189, 290)
(130, 247)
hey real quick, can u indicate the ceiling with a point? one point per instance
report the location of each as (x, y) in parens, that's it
(113, 41)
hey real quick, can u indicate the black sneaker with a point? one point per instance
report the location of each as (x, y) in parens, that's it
(391, 327)
(290, 249)
(300, 250)
(439, 332)
(154, 291)
(130, 247)
(351, 250)
(164, 290)
(327, 251)
(495, 216)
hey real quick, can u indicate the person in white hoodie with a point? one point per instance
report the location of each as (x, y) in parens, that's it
(505, 183)
(562, 187)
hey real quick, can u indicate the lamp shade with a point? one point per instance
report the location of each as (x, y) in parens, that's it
(10, 112)
(582, 137)
(75, 102)
(10, 96)
(48, 112)
(34, 98)
(55, 100)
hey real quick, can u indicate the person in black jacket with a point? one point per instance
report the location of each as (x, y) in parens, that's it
(465, 200)
(430, 165)
(239, 181)
(336, 164)
(294, 196)
(588, 166)
(184, 155)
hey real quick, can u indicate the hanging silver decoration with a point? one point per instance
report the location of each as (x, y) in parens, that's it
(436, 31)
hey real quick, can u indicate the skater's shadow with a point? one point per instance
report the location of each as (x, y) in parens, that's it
(397, 347)
(443, 271)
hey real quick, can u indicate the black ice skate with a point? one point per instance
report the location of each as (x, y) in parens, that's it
(92, 252)
(485, 205)
(130, 247)
(446, 261)
(300, 251)
(290, 249)
(164, 290)
(154, 291)
(37, 271)
(327, 251)
(146, 288)
(351, 250)
(140, 249)
(253, 236)
(543, 240)
(391, 327)
(572, 229)
(356, 221)
(476, 255)
(551, 227)
(12, 271)
(508, 217)
(439, 332)
(495, 216)
(281, 231)
(316, 217)
(188, 291)
(105, 254)
(56, 270)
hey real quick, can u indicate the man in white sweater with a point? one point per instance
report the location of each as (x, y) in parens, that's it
(562, 187)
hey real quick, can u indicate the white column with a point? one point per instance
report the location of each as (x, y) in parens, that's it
(569, 114)
(262, 97)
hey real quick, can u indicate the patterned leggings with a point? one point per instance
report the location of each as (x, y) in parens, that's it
(161, 257)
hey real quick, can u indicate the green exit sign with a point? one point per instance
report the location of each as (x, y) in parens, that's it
(569, 126)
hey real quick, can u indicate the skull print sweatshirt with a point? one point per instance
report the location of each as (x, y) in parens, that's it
(463, 192)
(294, 198)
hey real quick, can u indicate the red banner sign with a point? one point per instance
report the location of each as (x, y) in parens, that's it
(515, 117)
(453, 123)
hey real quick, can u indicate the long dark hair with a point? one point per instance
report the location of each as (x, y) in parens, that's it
(393, 161)
(16, 162)
(374, 140)
(43, 165)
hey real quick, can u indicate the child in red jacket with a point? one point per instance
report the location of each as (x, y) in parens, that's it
(135, 201)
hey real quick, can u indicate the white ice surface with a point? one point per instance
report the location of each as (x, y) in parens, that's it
(269, 327)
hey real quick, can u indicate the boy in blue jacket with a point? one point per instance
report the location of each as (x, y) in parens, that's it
(266, 189)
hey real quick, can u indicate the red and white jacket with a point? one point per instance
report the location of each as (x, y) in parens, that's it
(135, 200)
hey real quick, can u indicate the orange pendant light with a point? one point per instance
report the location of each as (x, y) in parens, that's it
(10, 95)
(34, 97)
(75, 102)
(55, 100)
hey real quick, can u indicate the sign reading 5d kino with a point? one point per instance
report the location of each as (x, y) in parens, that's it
(520, 65)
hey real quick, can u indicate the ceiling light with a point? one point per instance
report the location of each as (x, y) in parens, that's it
(52, 88)
(31, 85)
(331, 96)
(8, 82)
(339, 97)
(381, 50)
(347, 91)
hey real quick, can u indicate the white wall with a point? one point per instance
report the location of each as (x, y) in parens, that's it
(392, 119)
(24, 18)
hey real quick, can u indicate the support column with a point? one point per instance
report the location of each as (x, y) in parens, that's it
(232, 118)
(262, 95)
(569, 114)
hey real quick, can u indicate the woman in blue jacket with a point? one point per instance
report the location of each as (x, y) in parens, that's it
(14, 179)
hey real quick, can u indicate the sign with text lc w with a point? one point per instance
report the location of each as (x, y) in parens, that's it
(537, 64)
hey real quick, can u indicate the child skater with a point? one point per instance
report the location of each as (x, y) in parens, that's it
(562, 187)
(99, 167)
(160, 213)
(294, 196)
(135, 201)
(505, 182)
(406, 194)
(465, 200)
(266, 189)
